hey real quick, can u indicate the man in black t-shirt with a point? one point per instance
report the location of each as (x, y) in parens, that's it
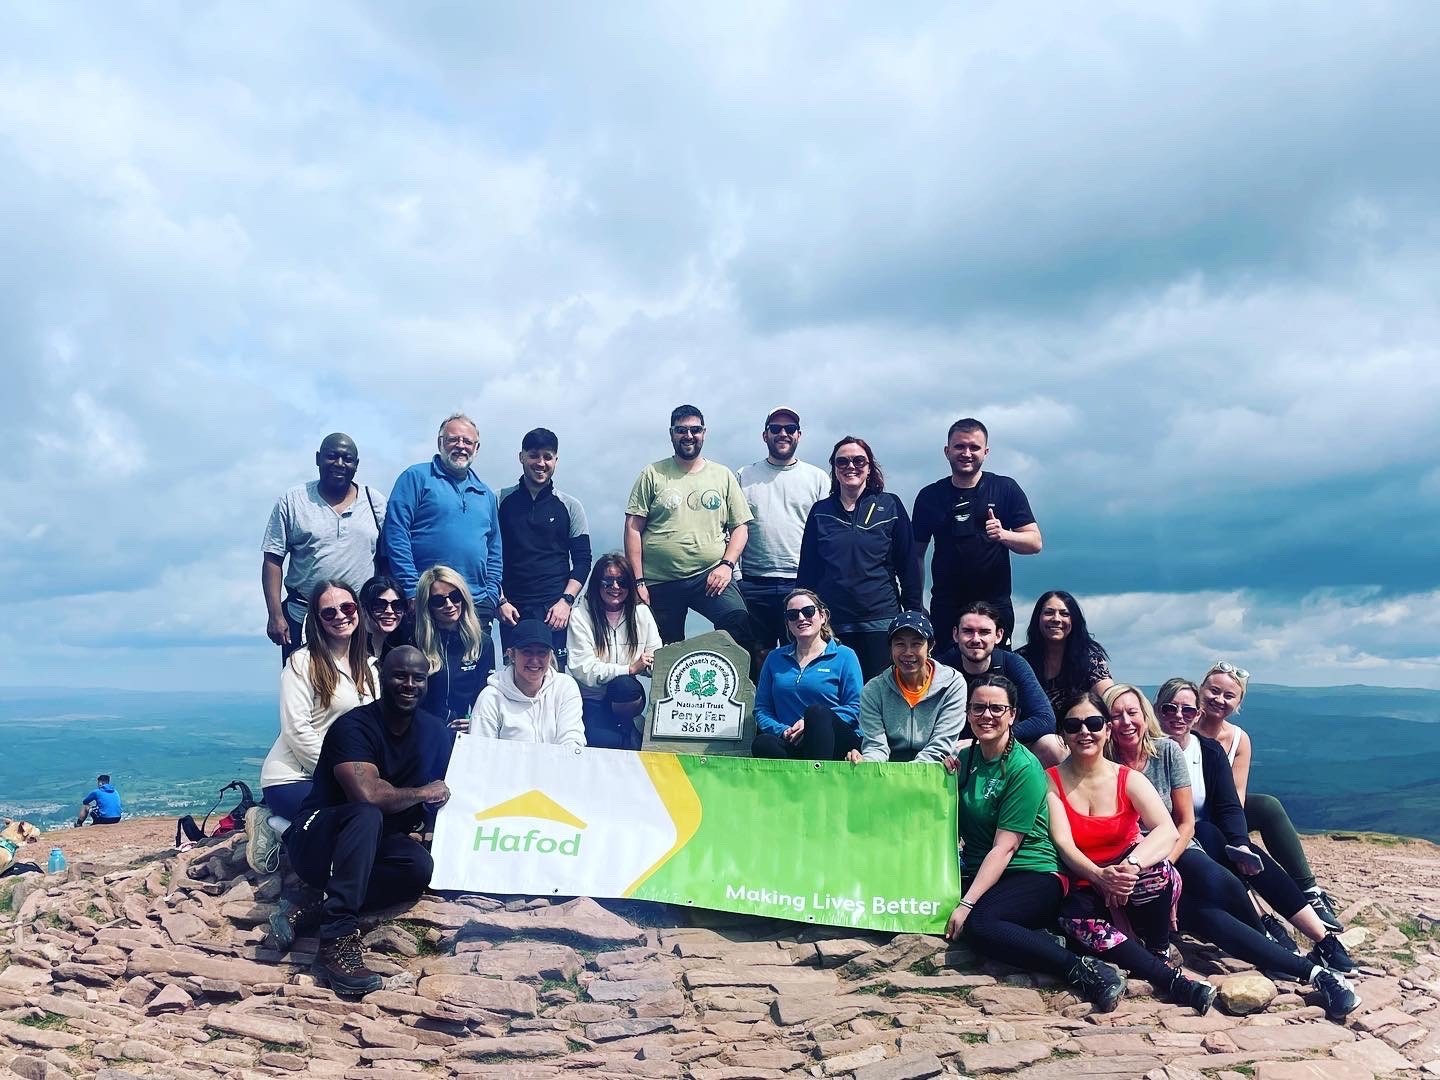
(376, 778)
(976, 519)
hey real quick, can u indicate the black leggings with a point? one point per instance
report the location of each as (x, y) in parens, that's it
(826, 738)
(1265, 814)
(1273, 884)
(1215, 908)
(1006, 923)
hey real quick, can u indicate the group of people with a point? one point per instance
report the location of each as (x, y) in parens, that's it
(1089, 831)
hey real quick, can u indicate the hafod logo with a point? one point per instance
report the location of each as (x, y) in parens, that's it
(537, 806)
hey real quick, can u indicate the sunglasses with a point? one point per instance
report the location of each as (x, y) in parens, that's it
(782, 429)
(440, 600)
(996, 709)
(613, 583)
(1227, 668)
(380, 607)
(1072, 724)
(1187, 712)
(795, 614)
(335, 614)
(857, 463)
(688, 429)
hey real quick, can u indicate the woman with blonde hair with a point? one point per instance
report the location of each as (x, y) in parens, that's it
(445, 627)
(807, 703)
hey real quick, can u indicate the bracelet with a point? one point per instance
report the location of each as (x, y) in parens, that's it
(966, 904)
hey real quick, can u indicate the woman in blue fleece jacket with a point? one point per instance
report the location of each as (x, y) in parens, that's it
(807, 704)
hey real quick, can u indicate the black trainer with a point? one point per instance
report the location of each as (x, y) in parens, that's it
(1098, 983)
(1276, 932)
(1330, 952)
(1199, 995)
(1339, 996)
(1320, 902)
(340, 964)
(289, 921)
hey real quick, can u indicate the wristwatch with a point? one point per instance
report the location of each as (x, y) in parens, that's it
(1134, 862)
(568, 598)
(727, 562)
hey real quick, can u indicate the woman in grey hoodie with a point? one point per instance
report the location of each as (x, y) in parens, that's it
(914, 710)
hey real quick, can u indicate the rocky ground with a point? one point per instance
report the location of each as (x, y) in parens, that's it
(145, 962)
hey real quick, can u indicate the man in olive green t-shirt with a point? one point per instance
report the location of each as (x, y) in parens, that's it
(685, 527)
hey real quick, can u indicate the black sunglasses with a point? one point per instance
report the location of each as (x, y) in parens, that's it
(335, 614)
(858, 462)
(782, 429)
(613, 583)
(1072, 724)
(795, 614)
(380, 607)
(454, 596)
(688, 429)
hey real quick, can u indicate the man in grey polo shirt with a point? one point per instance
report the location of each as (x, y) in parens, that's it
(780, 489)
(328, 528)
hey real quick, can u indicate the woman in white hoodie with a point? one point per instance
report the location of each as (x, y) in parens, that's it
(528, 700)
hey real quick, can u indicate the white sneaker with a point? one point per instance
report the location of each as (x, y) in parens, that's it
(262, 842)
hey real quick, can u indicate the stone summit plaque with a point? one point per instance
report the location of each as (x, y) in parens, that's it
(701, 699)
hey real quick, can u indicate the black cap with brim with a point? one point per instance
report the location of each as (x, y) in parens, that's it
(912, 620)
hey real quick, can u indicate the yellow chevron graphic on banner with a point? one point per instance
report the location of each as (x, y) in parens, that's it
(533, 804)
(680, 801)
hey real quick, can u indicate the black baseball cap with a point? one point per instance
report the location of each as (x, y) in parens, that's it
(530, 632)
(912, 620)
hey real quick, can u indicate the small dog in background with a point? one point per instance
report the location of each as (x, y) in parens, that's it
(13, 835)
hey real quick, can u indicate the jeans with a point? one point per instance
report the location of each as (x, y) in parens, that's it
(610, 721)
(825, 738)
(285, 800)
(765, 597)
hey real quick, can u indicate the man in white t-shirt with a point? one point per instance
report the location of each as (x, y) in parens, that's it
(780, 489)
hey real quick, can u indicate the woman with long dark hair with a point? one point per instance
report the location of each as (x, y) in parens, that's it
(856, 554)
(1058, 646)
(613, 640)
(382, 609)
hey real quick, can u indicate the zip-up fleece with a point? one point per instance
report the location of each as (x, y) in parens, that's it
(504, 711)
(860, 561)
(891, 730)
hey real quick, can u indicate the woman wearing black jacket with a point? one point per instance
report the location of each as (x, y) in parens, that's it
(856, 555)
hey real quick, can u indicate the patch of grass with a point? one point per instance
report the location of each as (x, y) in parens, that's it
(922, 967)
(1415, 930)
(972, 1037)
(283, 1048)
(418, 931)
(49, 1021)
(576, 1046)
(572, 984)
(7, 893)
(873, 988)
(93, 913)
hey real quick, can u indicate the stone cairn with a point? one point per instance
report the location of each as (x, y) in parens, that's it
(157, 968)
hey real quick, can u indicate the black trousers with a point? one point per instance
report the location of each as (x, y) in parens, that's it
(826, 738)
(346, 851)
(1006, 923)
(1214, 907)
(872, 649)
(1275, 886)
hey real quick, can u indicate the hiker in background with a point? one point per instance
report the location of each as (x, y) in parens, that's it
(1009, 866)
(382, 608)
(324, 679)
(374, 784)
(1115, 838)
(1059, 649)
(101, 806)
(914, 709)
(1214, 905)
(807, 704)
(528, 700)
(328, 529)
(613, 641)
(855, 555)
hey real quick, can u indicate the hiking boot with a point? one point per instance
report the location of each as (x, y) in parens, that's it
(289, 921)
(1196, 993)
(1338, 995)
(1098, 983)
(1276, 932)
(340, 964)
(1330, 952)
(262, 842)
(1320, 902)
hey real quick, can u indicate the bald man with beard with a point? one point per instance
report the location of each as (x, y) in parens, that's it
(328, 530)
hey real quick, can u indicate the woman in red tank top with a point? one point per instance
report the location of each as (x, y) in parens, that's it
(1123, 888)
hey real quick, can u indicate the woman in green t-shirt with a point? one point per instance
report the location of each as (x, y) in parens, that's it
(1009, 859)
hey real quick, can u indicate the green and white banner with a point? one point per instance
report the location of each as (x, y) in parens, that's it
(870, 846)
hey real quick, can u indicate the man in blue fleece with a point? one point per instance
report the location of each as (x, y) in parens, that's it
(105, 801)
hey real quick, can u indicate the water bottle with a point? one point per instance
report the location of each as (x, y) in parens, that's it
(57, 861)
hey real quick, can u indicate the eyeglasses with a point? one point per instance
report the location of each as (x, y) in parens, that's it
(857, 463)
(1227, 668)
(688, 429)
(795, 614)
(996, 709)
(460, 440)
(782, 429)
(613, 583)
(440, 600)
(335, 614)
(1187, 712)
(380, 607)
(1072, 724)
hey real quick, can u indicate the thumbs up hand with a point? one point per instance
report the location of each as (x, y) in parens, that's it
(992, 525)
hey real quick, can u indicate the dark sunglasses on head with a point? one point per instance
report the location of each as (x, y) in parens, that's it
(335, 614)
(1187, 712)
(858, 462)
(795, 614)
(613, 583)
(454, 596)
(380, 607)
(1073, 724)
(782, 429)
(688, 429)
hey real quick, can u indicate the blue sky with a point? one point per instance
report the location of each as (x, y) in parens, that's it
(1181, 261)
